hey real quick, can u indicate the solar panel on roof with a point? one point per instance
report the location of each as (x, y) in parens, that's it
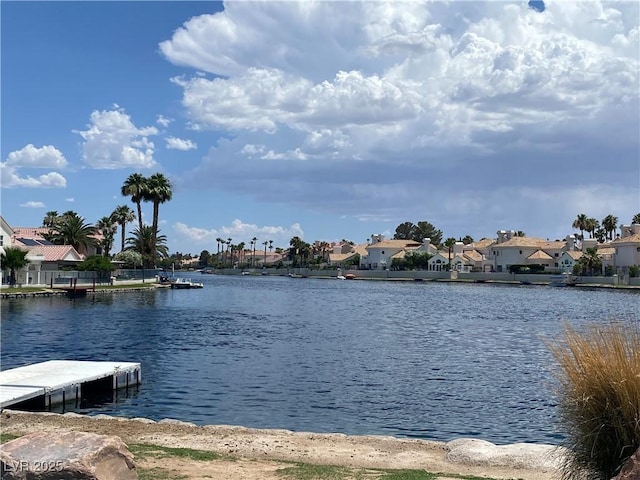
(29, 242)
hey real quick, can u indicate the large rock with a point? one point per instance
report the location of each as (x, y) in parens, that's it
(66, 456)
(631, 469)
(470, 451)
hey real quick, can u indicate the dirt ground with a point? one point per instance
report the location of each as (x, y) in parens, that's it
(252, 454)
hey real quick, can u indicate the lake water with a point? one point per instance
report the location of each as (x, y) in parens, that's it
(412, 359)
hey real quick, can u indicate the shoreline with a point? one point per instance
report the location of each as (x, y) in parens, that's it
(242, 444)
(33, 291)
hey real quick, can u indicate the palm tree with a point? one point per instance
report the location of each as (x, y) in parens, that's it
(610, 223)
(449, 243)
(123, 215)
(140, 242)
(135, 186)
(636, 218)
(240, 246)
(50, 218)
(591, 225)
(229, 254)
(265, 243)
(108, 228)
(254, 240)
(159, 190)
(13, 259)
(590, 261)
(72, 230)
(580, 223)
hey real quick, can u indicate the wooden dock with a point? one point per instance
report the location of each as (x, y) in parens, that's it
(42, 385)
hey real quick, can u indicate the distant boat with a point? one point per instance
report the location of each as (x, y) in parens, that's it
(349, 276)
(246, 273)
(184, 283)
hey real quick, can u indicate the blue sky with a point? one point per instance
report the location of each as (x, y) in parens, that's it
(325, 120)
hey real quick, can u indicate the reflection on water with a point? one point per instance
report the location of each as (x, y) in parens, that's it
(426, 359)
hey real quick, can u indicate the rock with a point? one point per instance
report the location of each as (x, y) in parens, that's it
(66, 456)
(631, 469)
(532, 456)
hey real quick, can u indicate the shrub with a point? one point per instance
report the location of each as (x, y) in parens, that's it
(634, 271)
(599, 404)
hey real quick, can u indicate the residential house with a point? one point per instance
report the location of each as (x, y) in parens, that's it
(511, 250)
(45, 259)
(627, 247)
(380, 252)
(344, 253)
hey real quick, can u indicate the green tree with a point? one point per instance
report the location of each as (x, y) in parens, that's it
(404, 231)
(123, 215)
(72, 230)
(50, 219)
(610, 223)
(449, 243)
(636, 218)
(130, 258)
(108, 228)
(580, 223)
(135, 186)
(467, 239)
(589, 263)
(12, 259)
(591, 226)
(140, 241)
(158, 190)
(96, 263)
(204, 258)
(424, 230)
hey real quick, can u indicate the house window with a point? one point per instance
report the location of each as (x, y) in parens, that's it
(555, 255)
(1, 240)
(382, 252)
(556, 264)
(520, 252)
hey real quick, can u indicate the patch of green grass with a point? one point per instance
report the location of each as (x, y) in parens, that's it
(140, 450)
(408, 475)
(158, 474)
(6, 437)
(306, 471)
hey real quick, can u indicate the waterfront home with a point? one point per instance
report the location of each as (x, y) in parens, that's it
(344, 253)
(439, 262)
(515, 250)
(45, 259)
(627, 247)
(568, 260)
(380, 252)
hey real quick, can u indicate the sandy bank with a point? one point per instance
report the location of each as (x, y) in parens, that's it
(260, 448)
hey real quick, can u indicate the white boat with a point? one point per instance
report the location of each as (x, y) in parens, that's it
(341, 277)
(184, 283)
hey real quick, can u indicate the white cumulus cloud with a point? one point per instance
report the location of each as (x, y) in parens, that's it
(30, 156)
(32, 204)
(174, 143)
(359, 108)
(239, 232)
(10, 178)
(113, 141)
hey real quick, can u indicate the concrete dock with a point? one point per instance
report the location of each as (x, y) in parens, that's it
(42, 385)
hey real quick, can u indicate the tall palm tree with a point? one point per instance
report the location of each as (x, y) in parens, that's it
(159, 190)
(610, 223)
(449, 243)
(229, 254)
(265, 243)
(254, 240)
(108, 228)
(123, 215)
(50, 218)
(135, 186)
(270, 245)
(72, 230)
(12, 259)
(591, 225)
(580, 223)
